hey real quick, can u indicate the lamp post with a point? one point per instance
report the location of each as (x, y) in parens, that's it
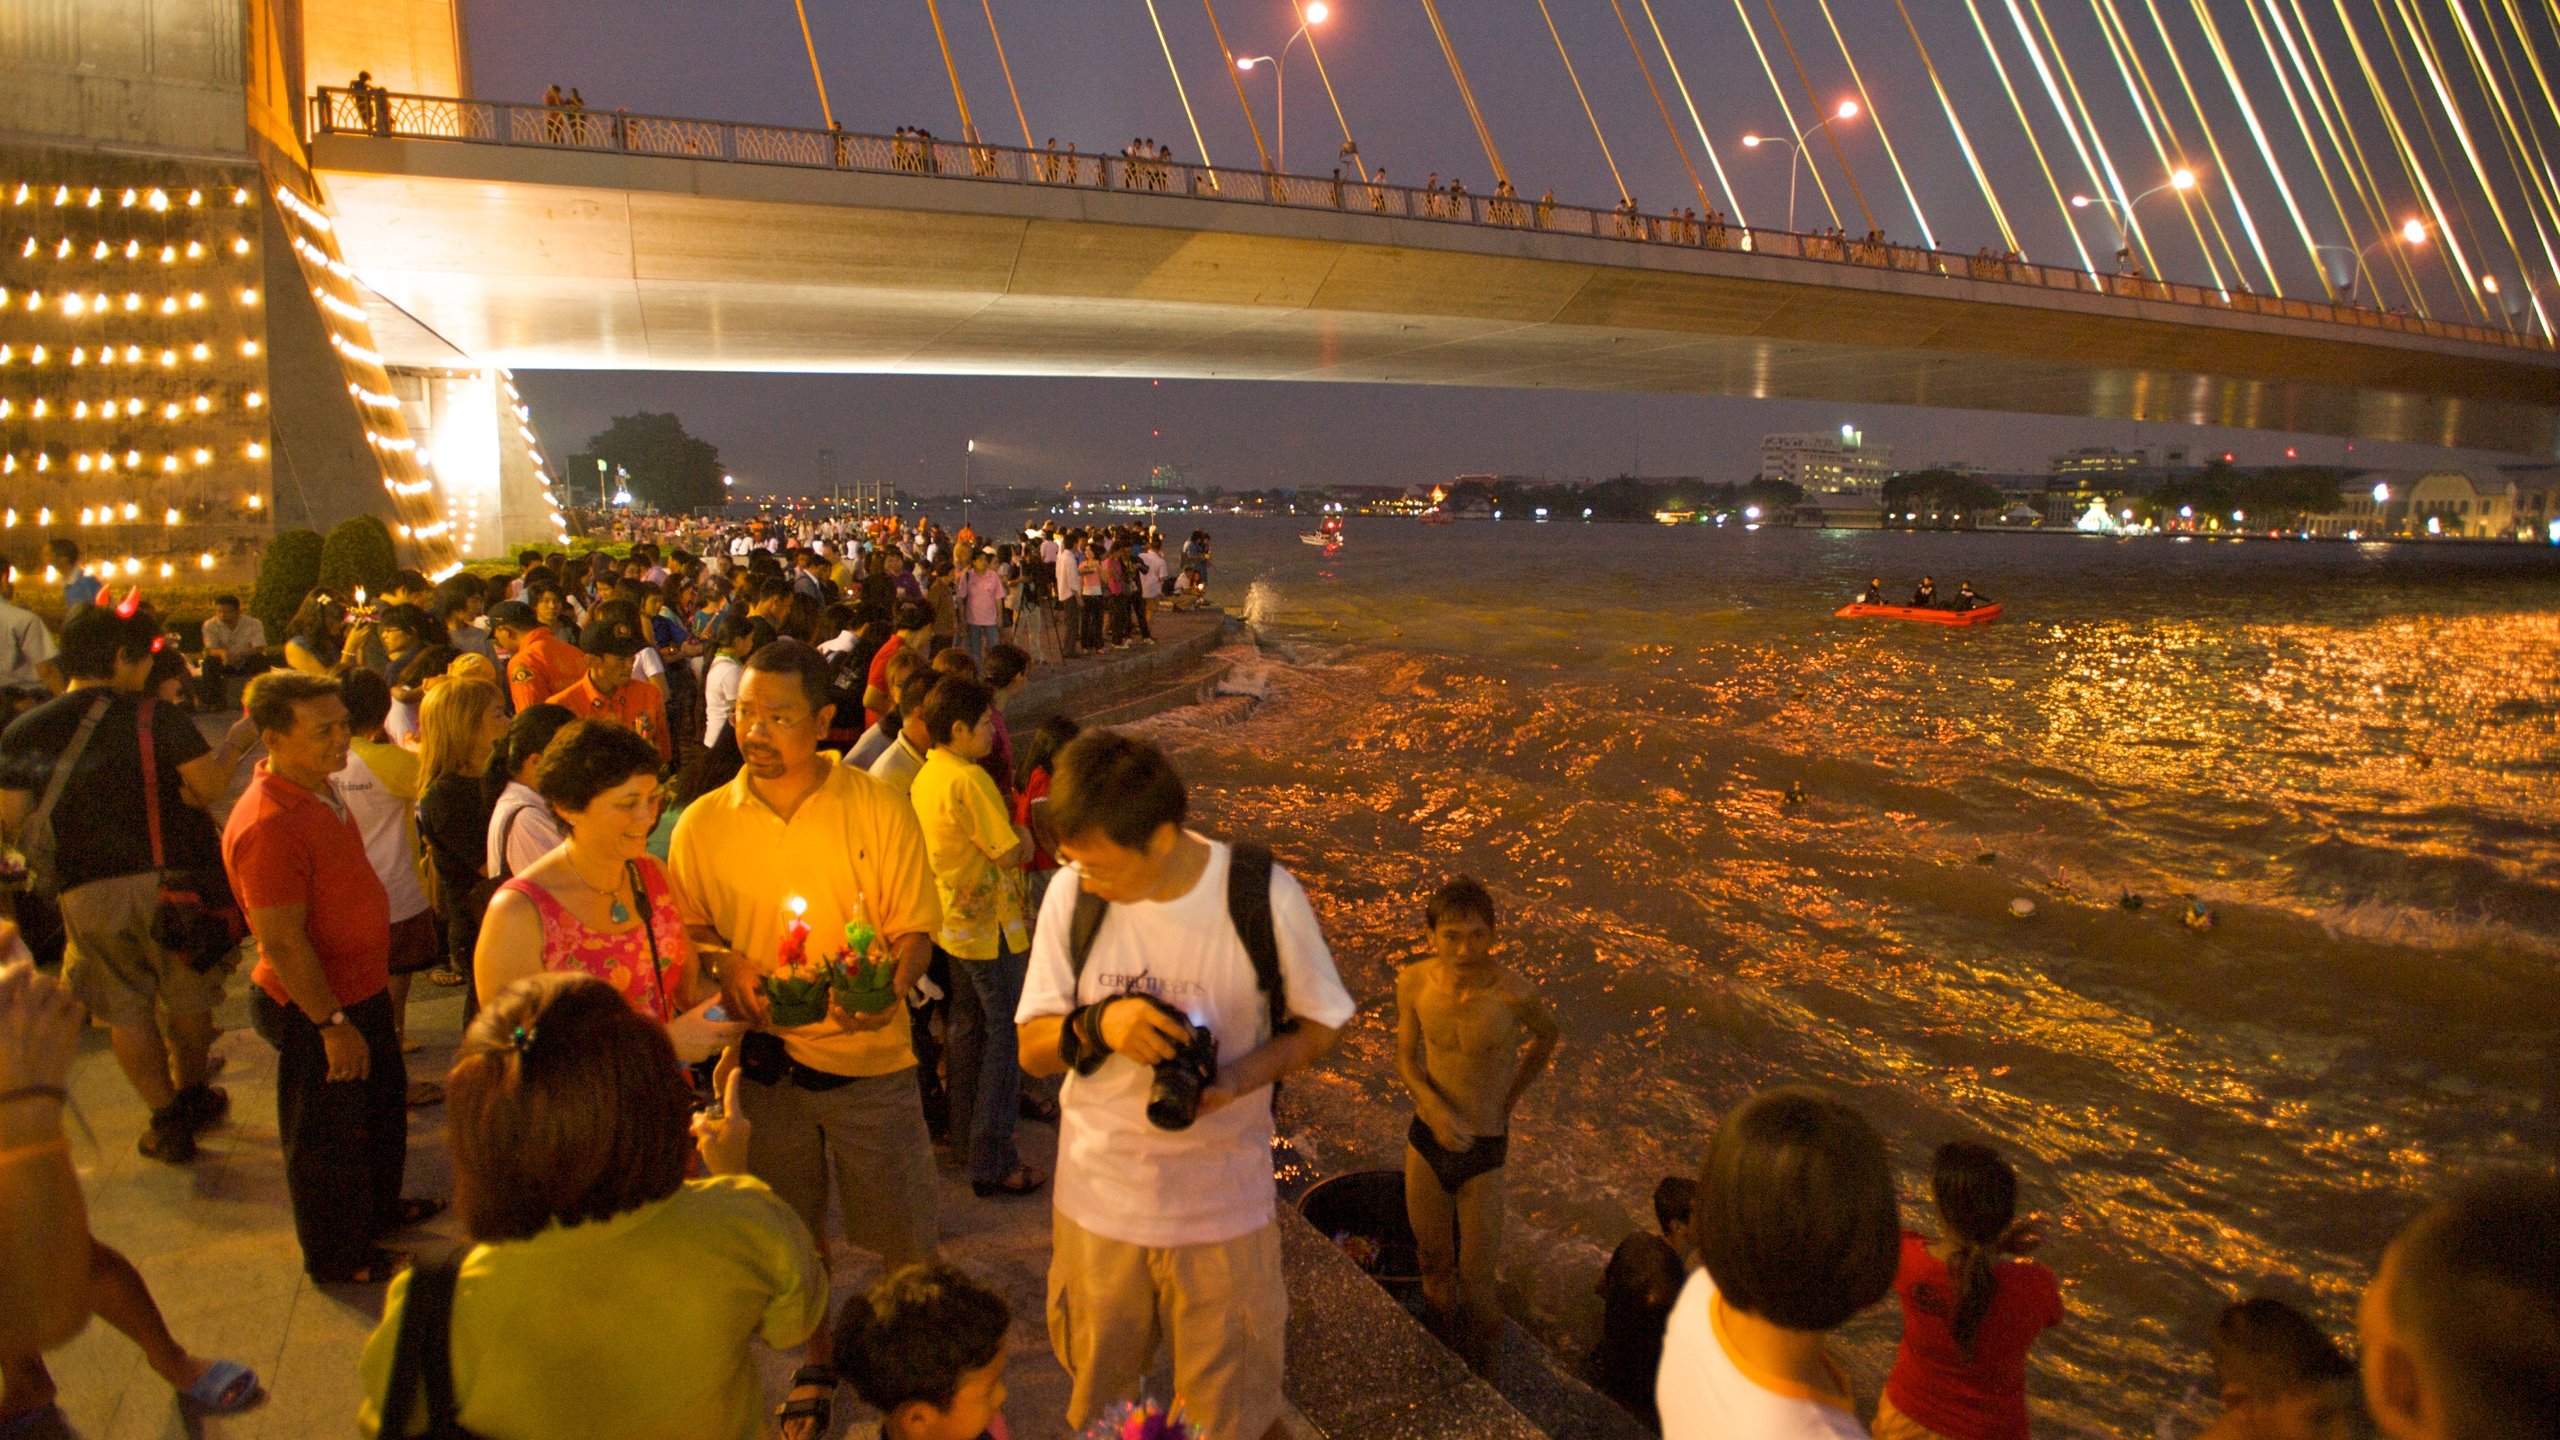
(1848, 111)
(1316, 13)
(2181, 179)
(2412, 232)
(966, 499)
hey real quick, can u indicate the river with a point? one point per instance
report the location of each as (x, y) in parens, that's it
(2349, 754)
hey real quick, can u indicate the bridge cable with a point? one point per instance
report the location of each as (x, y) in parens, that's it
(1349, 145)
(1614, 177)
(2222, 167)
(1466, 92)
(1882, 135)
(1007, 65)
(1831, 136)
(968, 127)
(2412, 167)
(1786, 111)
(2430, 62)
(2101, 169)
(1669, 125)
(1180, 92)
(2258, 133)
(2515, 137)
(1235, 77)
(2551, 106)
(2311, 146)
(1671, 63)
(2155, 124)
(2027, 128)
(825, 112)
(1964, 142)
(2462, 133)
(2377, 206)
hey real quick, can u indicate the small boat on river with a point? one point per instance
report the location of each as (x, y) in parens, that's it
(1329, 534)
(1927, 615)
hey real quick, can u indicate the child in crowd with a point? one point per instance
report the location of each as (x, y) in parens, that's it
(1636, 1294)
(1796, 1234)
(1968, 1316)
(1470, 1038)
(2281, 1379)
(925, 1348)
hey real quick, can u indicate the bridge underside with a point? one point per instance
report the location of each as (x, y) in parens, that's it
(536, 259)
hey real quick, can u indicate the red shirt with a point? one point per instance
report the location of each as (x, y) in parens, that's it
(879, 675)
(635, 706)
(287, 846)
(1035, 788)
(1983, 1397)
(543, 666)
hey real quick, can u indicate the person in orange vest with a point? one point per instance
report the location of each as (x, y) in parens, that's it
(539, 663)
(607, 691)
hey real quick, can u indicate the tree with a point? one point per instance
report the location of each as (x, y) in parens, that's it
(1944, 498)
(286, 572)
(358, 552)
(669, 469)
(1776, 499)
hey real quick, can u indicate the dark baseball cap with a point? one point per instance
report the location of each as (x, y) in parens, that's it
(611, 637)
(512, 612)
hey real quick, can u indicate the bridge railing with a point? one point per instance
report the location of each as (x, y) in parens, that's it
(489, 122)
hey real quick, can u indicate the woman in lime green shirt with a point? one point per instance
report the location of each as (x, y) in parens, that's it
(605, 1295)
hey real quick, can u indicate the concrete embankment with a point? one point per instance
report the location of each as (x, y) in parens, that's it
(1117, 687)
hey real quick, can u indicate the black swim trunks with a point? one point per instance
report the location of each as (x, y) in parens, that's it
(1454, 1168)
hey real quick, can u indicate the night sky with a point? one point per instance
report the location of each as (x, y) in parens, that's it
(1091, 71)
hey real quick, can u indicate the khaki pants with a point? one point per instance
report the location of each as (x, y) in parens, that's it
(116, 969)
(1224, 1306)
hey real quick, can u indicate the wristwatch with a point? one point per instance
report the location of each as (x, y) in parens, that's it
(336, 1019)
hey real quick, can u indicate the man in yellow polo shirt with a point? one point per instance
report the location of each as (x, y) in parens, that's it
(799, 836)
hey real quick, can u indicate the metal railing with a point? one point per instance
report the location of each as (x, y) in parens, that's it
(336, 111)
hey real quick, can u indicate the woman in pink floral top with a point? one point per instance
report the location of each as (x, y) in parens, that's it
(599, 904)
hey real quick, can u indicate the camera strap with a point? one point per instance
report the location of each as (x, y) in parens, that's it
(1249, 867)
(150, 783)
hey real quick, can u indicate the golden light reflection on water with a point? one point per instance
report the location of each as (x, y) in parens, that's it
(2356, 769)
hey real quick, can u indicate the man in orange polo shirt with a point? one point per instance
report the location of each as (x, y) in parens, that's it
(539, 663)
(607, 691)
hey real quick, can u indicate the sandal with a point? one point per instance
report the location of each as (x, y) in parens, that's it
(170, 1140)
(417, 1210)
(818, 1411)
(377, 1270)
(446, 976)
(1022, 1181)
(225, 1388)
(423, 1093)
(202, 1106)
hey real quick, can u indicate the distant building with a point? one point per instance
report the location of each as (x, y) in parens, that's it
(2099, 462)
(1826, 464)
(2451, 502)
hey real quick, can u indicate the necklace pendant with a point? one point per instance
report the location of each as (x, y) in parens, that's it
(621, 912)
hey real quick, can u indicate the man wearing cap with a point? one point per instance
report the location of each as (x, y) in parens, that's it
(607, 691)
(539, 663)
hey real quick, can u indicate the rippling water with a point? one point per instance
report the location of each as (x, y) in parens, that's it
(2350, 754)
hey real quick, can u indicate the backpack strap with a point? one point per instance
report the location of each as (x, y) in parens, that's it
(1090, 910)
(1249, 910)
(424, 1352)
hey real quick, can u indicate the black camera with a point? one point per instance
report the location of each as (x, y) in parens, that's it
(1174, 1102)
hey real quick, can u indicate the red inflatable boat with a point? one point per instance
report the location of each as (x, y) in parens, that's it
(1981, 615)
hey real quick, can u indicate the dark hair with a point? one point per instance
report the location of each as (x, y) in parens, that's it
(272, 698)
(2270, 1348)
(815, 671)
(1795, 1212)
(952, 660)
(738, 624)
(528, 735)
(565, 1105)
(1042, 753)
(955, 702)
(1459, 895)
(312, 619)
(1117, 786)
(404, 581)
(717, 765)
(97, 637)
(589, 758)
(63, 549)
(412, 619)
(368, 698)
(1675, 1201)
(912, 1338)
(1977, 1196)
(912, 615)
(915, 688)
(1005, 664)
(2477, 1290)
(219, 601)
(456, 594)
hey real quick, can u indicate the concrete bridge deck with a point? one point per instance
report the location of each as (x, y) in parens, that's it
(567, 252)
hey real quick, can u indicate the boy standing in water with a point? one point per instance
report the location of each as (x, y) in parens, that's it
(1462, 1023)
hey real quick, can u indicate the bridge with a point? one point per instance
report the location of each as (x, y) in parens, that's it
(531, 236)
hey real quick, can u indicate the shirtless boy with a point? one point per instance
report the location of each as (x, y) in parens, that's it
(1470, 1037)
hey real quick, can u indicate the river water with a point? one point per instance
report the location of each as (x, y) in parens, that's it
(2349, 754)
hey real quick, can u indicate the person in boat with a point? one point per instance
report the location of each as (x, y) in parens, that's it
(1873, 594)
(1925, 595)
(1968, 598)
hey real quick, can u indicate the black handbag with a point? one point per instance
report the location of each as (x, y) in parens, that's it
(197, 918)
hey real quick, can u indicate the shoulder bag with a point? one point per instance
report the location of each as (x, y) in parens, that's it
(35, 838)
(197, 919)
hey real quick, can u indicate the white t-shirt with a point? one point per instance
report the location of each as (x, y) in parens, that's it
(1152, 568)
(898, 764)
(720, 694)
(383, 818)
(1070, 573)
(26, 644)
(1705, 1393)
(1118, 1175)
(523, 822)
(645, 664)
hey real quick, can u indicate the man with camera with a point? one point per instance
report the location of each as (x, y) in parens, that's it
(1173, 980)
(77, 765)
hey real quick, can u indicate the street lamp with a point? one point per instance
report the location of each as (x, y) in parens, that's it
(2412, 232)
(966, 457)
(1316, 12)
(1848, 111)
(2181, 179)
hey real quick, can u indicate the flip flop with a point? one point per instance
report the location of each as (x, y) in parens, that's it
(225, 1388)
(818, 1410)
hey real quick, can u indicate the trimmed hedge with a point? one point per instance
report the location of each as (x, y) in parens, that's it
(358, 552)
(286, 572)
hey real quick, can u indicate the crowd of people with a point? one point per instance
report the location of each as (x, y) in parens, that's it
(755, 903)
